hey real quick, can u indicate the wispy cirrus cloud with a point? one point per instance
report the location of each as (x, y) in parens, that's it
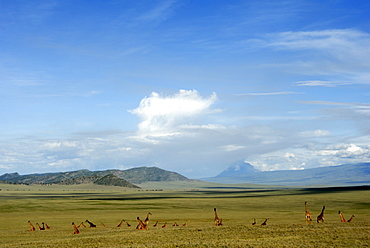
(270, 93)
(230, 148)
(321, 83)
(351, 104)
(351, 111)
(341, 55)
(315, 133)
(68, 94)
(158, 13)
(333, 40)
(27, 12)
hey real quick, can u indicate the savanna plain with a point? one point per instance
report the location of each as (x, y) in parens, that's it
(238, 206)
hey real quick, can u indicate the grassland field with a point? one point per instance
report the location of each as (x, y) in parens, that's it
(59, 206)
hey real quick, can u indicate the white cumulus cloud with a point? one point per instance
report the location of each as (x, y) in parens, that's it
(346, 151)
(162, 113)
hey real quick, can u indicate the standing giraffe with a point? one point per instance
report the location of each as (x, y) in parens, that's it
(308, 215)
(76, 231)
(90, 223)
(321, 215)
(341, 217)
(146, 221)
(350, 219)
(218, 221)
(32, 228)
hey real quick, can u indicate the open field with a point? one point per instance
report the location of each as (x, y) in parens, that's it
(59, 206)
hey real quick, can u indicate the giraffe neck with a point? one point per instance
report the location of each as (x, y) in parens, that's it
(32, 227)
(76, 231)
(147, 218)
(216, 216)
(321, 216)
(350, 219)
(90, 223)
(322, 211)
(341, 217)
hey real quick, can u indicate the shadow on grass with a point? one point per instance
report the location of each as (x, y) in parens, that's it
(232, 193)
(334, 189)
(215, 192)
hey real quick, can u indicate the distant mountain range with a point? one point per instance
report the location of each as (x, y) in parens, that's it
(348, 174)
(241, 172)
(124, 178)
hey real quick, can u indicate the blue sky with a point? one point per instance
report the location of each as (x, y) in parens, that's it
(188, 86)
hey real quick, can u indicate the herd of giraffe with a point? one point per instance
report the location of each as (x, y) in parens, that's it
(320, 217)
(43, 227)
(144, 225)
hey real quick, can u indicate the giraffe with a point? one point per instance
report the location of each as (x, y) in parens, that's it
(308, 215)
(146, 221)
(341, 217)
(76, 231)
(80, 225)
(46, 226)
(41, 228)
(254, 222)
(90, 223)
(218, 221)
(32, 228)
(350, 219)
(264, 223)
(321, 215)
(141, 225)
(120, 224)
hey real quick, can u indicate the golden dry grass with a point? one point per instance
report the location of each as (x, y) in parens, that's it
(284, 208)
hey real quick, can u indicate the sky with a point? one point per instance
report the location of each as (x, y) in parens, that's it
(188, 86)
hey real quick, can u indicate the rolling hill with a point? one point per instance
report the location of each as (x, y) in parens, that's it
(348, 174)
(125, 178)
(108, 180)
(112, 180)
